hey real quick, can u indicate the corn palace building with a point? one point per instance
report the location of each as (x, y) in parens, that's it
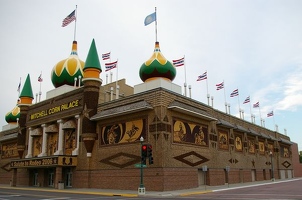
(87, 134)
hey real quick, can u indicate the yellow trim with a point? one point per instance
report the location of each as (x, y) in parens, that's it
(91, 73)
(26, 100)
(155, 78)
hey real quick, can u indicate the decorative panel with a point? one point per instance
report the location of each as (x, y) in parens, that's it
(184, 132)
(125, 132)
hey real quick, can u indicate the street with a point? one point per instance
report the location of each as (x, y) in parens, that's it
(281, 190)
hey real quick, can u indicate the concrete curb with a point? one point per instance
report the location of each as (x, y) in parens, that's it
(72, 191)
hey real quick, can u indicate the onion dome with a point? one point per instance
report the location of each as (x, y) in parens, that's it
(65, 71)
(157, 67)
(92, 68)
(13, 115)
(26, 95)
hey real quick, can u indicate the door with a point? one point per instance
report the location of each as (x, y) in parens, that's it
(68, 177)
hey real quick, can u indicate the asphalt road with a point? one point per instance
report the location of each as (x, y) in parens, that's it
(290, 190)
(285, 190)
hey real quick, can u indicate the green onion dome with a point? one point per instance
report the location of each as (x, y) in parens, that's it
(65, 71)
(13, 115)
(157, 67)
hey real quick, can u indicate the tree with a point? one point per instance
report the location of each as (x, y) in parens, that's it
(300, 156)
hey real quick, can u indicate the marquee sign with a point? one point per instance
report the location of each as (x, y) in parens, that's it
(56, 109)
(44, 162)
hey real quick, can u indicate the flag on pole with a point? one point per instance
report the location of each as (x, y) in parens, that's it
(270, 114)
(234, 93)
(256, 105)
(179, 62)
(150, 18)
(220, 86)
(70, 18)
(202, 77)
(247, 100)
(106, 56)
(40, 79)
(110, 66)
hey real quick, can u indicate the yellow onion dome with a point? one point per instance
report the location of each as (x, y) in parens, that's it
(65, 71)
(157, 67)
(13, 115)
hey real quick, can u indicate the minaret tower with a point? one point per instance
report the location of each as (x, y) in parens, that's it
(26, 98)
(92, 83)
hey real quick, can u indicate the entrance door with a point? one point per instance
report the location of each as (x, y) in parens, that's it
(68, 177)
(50, 177)
(35, 178)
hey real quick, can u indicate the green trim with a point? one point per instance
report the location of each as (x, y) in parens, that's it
(27, 89)
(92, 60)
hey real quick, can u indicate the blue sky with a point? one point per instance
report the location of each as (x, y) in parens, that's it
(254, 46)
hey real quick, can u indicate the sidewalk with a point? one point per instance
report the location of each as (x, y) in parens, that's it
(132, 193)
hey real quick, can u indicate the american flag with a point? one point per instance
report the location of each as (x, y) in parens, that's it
(110, 66)
(179, 62)
(234, 93)
(106, 56)
(247, 100)
(220, 86)
(256, 105)
(270, 114)
(70, 18)
(202, 77)
(40, 79)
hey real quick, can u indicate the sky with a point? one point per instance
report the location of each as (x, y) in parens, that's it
(254, 46)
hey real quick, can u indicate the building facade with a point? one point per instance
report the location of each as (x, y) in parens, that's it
(89, 135)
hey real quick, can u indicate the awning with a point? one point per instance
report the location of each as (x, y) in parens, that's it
(272, 138)
(253, 132)
(241, 129)
(224, 123)
(285, 141)
(9, 137)
(190, 110)
(264, 135)
(122, 110)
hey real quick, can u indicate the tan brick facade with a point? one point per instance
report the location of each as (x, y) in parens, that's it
(185, 134)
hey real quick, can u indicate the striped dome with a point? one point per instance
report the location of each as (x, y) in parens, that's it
(65, 71)
(157, 67)
(13, 115)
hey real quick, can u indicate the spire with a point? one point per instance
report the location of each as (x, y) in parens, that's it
(26, 95)
(92, 60)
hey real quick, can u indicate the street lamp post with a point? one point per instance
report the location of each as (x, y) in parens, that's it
(141, 189)
(272, 164)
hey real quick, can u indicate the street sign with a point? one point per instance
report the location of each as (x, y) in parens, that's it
(138, 165)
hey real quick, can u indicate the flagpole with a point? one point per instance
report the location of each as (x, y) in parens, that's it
(251, 110)
(260, 115)
(40, 92)
(208, 95)
(226, 106)
(274, 119)
(239, 103)
(19, 88)
(155, 26)
(116, 85)
(185, 76)
(75, 23)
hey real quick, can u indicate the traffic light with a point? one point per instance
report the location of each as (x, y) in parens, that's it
(149, 153)
(144, 153)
